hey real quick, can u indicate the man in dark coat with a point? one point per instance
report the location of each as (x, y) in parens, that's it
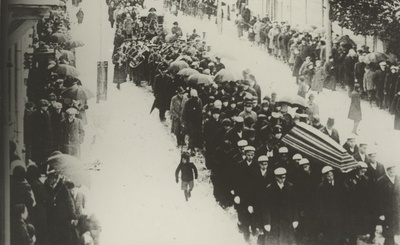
(380, 84)
(222, 173)
(242, 189)
(60, 211)
(42, 133)
(192, 120)
(329, 208)
(330, 74)
(210, 129)
(306, 186)
(357, 202)
(361, 155)
(280, 212)
(237, 132)
(389, 194)
(350, 146)
(330, 131)
(262, 177)
(71, 134)
(162, 81)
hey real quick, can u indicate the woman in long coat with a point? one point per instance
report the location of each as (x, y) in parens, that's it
(176, 108)
(317, 83)
(355, 108)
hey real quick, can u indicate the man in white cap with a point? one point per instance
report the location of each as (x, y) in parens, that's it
(236, 133)
(280, 219)
(356, 199)
(306, 186)
(350, 146)
(239, 153)
(242, 190)
(374, 171)
(329, 212)
(72, 133)
(389, 196)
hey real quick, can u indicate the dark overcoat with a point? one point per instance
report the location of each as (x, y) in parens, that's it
(280, 212)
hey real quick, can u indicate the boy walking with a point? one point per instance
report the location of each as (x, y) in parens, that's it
(187, 169)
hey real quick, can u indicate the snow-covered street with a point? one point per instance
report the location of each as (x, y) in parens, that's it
(134, 193)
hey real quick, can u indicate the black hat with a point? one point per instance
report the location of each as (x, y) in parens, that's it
(163, 66)
(180, 90)
(175, 23)
(44, 102)
(152, 9)
(226, 122)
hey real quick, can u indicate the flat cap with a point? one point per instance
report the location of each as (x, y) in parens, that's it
(283, 149)
(304, 161)
(242, 143)
(263, 158)
(249, 148)
(297, 156)
(326, 169)
(71, 111)
(280, 171)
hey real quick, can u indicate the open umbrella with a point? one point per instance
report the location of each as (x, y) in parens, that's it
(199, 79)
(74, 44)
(70, 167)
(66, 70)
(225, 75)
(77, 92)
(185, 58)
(66, 54)
(314, 144)
(375, 57)
(59, 37)
(176, 66)
(294, 101)
(347, 40)
(187, 72)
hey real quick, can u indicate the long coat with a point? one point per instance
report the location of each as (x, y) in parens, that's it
(317, 83)
(42, 135)
(280, 212)
(389, 194)
(192, 119)
(162, 87)
(329, 209)
(71, 136)
(60, 212)
(330, 73)
(175, 111)
(355, 107)
(38, 214)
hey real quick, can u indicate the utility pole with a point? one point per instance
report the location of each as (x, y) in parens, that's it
(328, 24)
(306, 10)
(219, 16)
(323, 13)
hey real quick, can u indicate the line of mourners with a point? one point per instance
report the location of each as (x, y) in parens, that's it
(280, 197)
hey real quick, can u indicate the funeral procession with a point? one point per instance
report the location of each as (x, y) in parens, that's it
(201, 122)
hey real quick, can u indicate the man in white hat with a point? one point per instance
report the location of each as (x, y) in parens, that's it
(236, 133)
(72, 133)
(242, 190)
(329, 197)
(306, 185)
(389, 196)
(239, 153)
(356, 202)
(374, 171)
(350, 146)
(280, 219)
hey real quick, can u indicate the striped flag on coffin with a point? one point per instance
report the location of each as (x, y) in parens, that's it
(316, 145)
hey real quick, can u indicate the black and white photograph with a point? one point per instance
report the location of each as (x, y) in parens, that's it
(201, 122)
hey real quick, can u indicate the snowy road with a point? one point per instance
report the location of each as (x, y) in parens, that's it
(134, 194)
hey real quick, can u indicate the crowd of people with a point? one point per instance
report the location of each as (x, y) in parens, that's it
(280, 196)
(46, 206)
(349, 65)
